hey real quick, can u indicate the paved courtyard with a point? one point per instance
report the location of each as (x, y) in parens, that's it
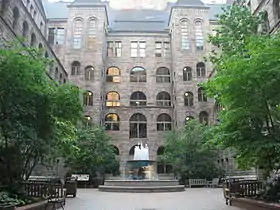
(191, 199)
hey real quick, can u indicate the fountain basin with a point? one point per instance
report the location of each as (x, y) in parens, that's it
(141, 186)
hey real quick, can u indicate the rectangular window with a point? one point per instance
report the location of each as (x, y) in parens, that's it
(51, 35)
(142, 49)
(118, 49)
(60, 36)
(133, 49)
(110, 49)
(158, 49)
(166, 49)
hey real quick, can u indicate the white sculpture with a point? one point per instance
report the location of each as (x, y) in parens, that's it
(140, 152)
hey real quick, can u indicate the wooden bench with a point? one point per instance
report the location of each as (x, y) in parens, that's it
(54, 192)
(214, 183)
(197, 182)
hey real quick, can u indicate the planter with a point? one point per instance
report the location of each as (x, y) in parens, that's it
(35, 206)
(11, 207)
(250, 204)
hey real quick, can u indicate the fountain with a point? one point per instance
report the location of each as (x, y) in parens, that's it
(141, 176)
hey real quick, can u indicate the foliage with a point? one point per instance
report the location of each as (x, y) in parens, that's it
(94, 152)
(246, 83)
(37, 117)
(188, 151)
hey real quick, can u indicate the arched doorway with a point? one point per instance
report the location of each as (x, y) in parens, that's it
(162, 166)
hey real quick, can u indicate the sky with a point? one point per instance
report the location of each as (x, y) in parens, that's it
(147, 4)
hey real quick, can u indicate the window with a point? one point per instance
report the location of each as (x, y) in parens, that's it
(133, 49)
(187, 74)
(163, 99)
(138, 99)
(25, 29)
(276, 9)
(200, 70)
(91, 33)
(31, 10)
(75, 68)
(162, 49)
(112, 122)
(138, 74)
(4, 6)
(113, 74)
(89, 70)
(163, 75)
(118, 49)
(60, 36)
(78, 32)
(203, 117)
(114, 49)
(188, 119)
(188, 99)
(15, 17)
(137, 49)
(51, 35)
(33, 40)
(201, 95)
(56, 73)
(116, 150)
(199, 42)
(265, 24)
(112, 99)
(138, 126)
(34, 15)
(88, 98)
(185, 35)
(164, 122)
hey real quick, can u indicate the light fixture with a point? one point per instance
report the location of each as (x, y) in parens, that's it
(90, 93)
(88, 118)
(186, 94)
(224, 109)
(137, 102)
(187, 118)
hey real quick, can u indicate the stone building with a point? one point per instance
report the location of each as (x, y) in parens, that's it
(141, 69)
(27, 19)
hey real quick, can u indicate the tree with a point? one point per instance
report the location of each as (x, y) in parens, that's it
(246, 82)
(188, 151)
(94, 152)
(37, 117)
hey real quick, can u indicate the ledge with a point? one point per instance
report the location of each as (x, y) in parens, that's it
(250, 204)
(35, 206)
(137, 189)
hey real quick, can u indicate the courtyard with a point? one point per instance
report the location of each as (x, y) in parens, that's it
(191, 199)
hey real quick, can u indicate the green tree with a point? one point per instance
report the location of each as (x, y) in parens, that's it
(246, 83)
(94, 152)
(188, 151)
(37, 117)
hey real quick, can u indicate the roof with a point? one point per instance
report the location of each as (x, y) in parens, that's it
(131, 20)
(189, 3)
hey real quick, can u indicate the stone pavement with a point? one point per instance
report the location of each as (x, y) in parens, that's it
(191, 199)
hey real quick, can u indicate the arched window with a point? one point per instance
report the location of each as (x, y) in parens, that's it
(203, 117)
(87, 120)
(56, 73)
(188, 99)
(138, 99)
(276, 9)
(164, 122)
(112, 122)
(163, 99)
(40, 46)
(199, 41)
(200, 69)
(60, 78)
(88, 98)
(4, 6)
(163, 74)
(89, 71)
(202, 95)
(185, 34)
(113, 99)
(138, 74)
(188, 119)
(91, 33)
(25, 29)
(15, 17)
(75, 68)
(160, 150)
(113, 74)
(131, 151)
(187, 73)
(33, 40)
(138, 126)
(265, 24)
(78, 33)
(116, 150)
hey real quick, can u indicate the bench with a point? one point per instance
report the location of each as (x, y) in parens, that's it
(197, 182)
(214, 183)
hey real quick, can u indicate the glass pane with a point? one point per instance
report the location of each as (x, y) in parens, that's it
(133, 45)
(158, 45)
(142, 45)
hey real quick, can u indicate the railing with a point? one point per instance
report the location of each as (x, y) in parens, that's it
(247, 188)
